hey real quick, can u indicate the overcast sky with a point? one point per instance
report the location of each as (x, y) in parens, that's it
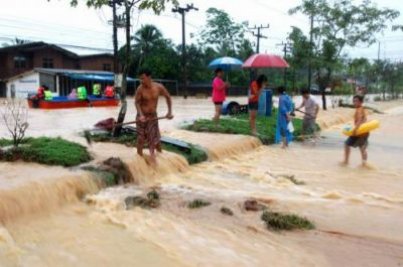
(57, 22)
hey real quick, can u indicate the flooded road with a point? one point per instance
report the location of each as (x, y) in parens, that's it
(358, 212)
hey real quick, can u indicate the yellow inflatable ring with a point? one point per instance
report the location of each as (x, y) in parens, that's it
(363, 129)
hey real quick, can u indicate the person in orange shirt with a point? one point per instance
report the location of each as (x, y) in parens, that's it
(253, 101)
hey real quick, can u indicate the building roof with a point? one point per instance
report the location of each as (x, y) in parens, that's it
(78, 74)
(68, 50)
(58, 71)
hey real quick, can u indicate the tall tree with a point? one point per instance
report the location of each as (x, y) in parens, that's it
(145, 40)
(340, 24)
(157, 6)
(222, 33)
(151, 50)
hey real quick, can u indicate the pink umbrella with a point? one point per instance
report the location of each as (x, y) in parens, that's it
(265, 61)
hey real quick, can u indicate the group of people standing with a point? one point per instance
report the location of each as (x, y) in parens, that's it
(146, 102)
(284, 128)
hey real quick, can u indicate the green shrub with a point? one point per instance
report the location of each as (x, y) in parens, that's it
(5, 142)
(198, 203)
(49, 151)
(278, 221)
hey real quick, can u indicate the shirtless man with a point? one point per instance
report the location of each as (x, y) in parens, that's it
(354, 140)
(146, 101)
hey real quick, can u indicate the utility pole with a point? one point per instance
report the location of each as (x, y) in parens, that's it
(379, 71)
(258, 35)
(119, 83)
(287, 47)
(115, 25)
(310, 54)
(183, 11)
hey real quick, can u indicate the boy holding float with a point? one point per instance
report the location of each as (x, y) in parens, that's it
(357, 140)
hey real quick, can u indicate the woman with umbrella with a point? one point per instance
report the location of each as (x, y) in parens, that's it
(219, 86)
(219, 93)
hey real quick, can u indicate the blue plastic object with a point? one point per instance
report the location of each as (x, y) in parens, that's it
(265, 102)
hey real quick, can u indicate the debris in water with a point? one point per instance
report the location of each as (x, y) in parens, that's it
(119, 169)
(290, 177)
(151, 202)
(227, 211)
(279, 221)
(253, 205)
(198, 203)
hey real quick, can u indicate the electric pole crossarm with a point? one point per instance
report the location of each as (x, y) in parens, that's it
(258, 35)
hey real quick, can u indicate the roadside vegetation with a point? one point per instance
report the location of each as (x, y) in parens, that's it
(281, 221)
(193, 155)
(239, 124)
(45, 150)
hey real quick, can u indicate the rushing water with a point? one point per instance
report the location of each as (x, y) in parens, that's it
(357, 212)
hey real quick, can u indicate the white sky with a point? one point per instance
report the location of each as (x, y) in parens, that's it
(57, 22)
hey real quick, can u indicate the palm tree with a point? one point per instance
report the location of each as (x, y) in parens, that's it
(145, 39)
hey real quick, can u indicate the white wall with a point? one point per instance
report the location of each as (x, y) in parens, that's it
(24, 85)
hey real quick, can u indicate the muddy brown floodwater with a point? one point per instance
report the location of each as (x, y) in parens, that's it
(62, 217)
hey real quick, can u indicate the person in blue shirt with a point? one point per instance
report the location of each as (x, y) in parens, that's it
(285, 108)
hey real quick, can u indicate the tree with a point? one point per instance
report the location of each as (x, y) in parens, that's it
(151, 50)
(16, 41)
(222, 33)
(340, 24)
(157, 6)
(15, 117)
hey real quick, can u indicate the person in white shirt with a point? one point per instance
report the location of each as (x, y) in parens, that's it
(310, 114)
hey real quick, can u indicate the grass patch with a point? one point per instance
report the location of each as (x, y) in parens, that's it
(5, 142)
(239, 124)
(194, 156)
(279, 221)
(198, 203)
(48, 151)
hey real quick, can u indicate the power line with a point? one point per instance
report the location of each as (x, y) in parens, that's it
(29, 22)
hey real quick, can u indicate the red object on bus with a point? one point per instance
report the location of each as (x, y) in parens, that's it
(109, 91)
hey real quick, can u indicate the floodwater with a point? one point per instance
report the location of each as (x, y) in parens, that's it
(63, 217)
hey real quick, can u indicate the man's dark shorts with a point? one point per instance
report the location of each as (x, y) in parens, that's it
(358, 141)
(218, 103)
(253, 105)
(309, 125)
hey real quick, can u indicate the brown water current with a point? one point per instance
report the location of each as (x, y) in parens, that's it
(64, 217)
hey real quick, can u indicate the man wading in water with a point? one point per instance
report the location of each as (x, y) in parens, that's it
(146, 101)
(355, 140)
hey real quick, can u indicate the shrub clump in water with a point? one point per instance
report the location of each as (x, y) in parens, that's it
(198, 203)
(279, 221)
(227, 211)
(152, 201)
